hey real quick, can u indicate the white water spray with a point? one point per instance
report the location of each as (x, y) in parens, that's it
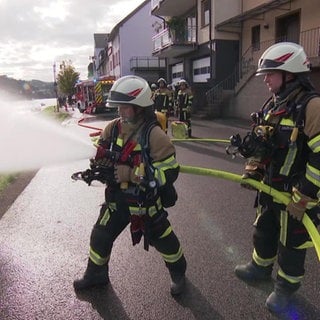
(29, 142)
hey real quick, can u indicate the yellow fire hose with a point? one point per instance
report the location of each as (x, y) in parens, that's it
(311, 228)
(200, 140)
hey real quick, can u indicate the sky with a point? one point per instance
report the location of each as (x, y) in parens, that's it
(36, 34)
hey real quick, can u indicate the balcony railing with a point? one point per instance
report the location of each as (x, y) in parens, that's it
(310, 40)
(169, 37)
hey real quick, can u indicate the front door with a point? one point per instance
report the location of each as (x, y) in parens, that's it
(288, 28)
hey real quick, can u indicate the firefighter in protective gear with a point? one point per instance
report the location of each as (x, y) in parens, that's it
(162, 98)
(184, 104)
(291, 165)
(153, 87)
(131, 199)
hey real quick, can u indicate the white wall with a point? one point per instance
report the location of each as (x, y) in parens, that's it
(135, 37)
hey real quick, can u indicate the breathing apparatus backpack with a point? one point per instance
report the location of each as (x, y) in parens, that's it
(167, 193)
(259, 140)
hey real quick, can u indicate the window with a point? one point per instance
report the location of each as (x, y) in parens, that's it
(255, 38)
(201, 69)
(177, 74)
(205, 12)
(288, 28)
(192, 28)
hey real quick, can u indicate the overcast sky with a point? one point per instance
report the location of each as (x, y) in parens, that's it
(36, 33)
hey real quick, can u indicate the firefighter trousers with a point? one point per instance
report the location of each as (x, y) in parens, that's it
(277, 236)
(112, 222)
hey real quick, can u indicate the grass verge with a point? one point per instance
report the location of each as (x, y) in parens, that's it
(50, 112)
(5, 180)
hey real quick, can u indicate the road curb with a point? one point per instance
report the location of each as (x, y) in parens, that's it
(14, 189)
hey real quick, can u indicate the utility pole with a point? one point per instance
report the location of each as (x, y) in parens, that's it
(55, 86)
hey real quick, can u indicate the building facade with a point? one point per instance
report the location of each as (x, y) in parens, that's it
(128, 49)
(194, 49)
(215, 45)
(99, 56)
(261, 24)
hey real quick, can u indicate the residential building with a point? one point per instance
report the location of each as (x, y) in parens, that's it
(99, 57)
(218, 49)
(194, 49)
(129, 46)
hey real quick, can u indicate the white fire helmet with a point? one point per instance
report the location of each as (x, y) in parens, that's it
(181, 81)
(163, 80)
(284, 56)
(131, 90)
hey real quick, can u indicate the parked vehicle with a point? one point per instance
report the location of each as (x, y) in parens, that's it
(91, 95)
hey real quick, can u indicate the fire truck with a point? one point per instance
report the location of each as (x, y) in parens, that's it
(91, 95)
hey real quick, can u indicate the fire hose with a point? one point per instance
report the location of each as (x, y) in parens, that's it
(307, 222)
(93, 134)
(200, 140)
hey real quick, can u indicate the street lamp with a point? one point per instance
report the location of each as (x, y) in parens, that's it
(55, 86)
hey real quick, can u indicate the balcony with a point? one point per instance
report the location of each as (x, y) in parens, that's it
(169, 44)
(170, 8)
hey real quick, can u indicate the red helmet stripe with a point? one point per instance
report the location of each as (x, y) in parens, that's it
(284, 58)
(134, 93)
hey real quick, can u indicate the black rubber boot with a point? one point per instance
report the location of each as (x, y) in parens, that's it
(94, 276)
(279, 299)
(177, 284)
(252, 272)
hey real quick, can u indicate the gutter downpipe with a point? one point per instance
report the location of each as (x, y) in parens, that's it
(210, 43)
(240, 44)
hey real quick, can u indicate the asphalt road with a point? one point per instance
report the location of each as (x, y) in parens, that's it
(44, 238)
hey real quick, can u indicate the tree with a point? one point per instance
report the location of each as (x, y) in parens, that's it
(90, 70)
(177, 28)
(67, 78)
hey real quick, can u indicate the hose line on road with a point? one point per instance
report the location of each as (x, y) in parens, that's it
(93, 134)
(307, 222)
(98, 132)
(200, 140)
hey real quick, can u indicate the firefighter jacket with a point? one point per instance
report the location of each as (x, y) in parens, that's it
(163, 161)
(294, 161)
(184, 100)
(162, 100)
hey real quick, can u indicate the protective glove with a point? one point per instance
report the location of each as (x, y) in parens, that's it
(253, 170)
(299, 204)
(124, 173)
